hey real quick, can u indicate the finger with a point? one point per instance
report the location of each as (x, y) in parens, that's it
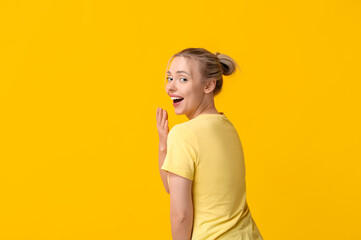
(166, 128)
(163, 117)
(159, 120)
(166, 120)
(157, 116)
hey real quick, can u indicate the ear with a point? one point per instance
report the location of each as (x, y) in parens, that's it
(210, 85)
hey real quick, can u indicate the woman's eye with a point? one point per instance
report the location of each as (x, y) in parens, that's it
(184, 79)
(169, 78)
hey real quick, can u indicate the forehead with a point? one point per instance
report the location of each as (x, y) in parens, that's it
(183, 64)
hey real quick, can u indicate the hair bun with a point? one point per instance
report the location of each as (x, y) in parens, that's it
(227, 63)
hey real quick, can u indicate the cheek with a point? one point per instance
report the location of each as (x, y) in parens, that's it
(193, 93)
(193, 98)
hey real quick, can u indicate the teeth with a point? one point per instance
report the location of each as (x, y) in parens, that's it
(173, 98)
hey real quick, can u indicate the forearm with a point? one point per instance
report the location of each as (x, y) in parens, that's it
(182, 229)
(162, 152)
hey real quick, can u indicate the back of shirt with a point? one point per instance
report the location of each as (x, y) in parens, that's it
(208, 151)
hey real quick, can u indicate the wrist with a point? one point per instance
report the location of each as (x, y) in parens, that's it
(162, 147)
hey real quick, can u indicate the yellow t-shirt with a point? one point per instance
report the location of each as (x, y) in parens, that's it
(208, 151)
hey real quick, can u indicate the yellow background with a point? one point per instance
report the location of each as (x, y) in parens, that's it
(80, 82)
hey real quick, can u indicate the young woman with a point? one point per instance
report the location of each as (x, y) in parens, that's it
(201, 161)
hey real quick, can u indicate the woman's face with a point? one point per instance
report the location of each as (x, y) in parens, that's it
(184, 80)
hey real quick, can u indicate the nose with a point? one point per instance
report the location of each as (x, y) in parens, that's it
(170, 86)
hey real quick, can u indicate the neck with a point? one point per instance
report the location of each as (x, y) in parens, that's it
(207, 107)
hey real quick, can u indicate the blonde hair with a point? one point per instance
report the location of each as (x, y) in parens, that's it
(211, 65)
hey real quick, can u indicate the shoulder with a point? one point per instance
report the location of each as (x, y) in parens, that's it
(182, 137)
(181, 130)
(183, 134)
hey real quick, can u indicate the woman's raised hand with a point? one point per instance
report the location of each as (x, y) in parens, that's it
(163, 128)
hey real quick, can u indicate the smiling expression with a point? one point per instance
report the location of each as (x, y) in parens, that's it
(183, 80)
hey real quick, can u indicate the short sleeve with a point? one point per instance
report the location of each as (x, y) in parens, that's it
(182, 152)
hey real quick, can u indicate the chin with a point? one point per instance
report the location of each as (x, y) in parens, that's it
(178, 112)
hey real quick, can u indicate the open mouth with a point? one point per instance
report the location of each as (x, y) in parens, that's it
(177, 100)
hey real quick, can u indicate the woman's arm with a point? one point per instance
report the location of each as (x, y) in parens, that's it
(163, 130)
(181, 207)
(163, 174)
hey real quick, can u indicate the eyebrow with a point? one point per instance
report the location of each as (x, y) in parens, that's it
(179, 72)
